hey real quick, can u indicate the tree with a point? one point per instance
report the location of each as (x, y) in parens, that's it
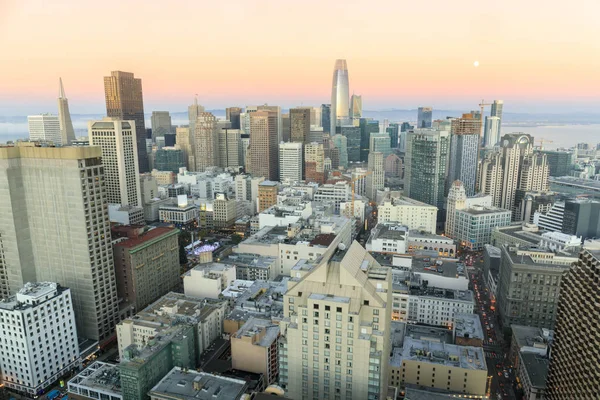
(182, 255)
(235, 238)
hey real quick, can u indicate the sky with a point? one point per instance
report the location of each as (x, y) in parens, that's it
(536, 55)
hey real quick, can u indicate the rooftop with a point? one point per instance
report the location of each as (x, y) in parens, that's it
(529, 338)
(184, 385)
(438, 266)
(32, 294)
(146, 238)
(263, 296)
(429, 333)
(249, 260)
(483, 210)
(266, 331)
(536, 367)
(237, 287)
(268, 183)
(388, 231)
(542, 257)
(466, 357)
(418, 234)
(99, 376)
(449, 294)
(398, 200)
(468, 326)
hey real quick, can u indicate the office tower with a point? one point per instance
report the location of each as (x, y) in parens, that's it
(119, 158)
(44, 128)
(393, 166)
(278, 118)
(491, 135)
(286, 135)
(393, 130)
(230, 148)
(67, 134)
(224, 211)
(169, 159)
(576, 350)
(496, 109)
(55, 228)
(380, 142)
(458, 200)
(267, 194)
(426, 163)
(355, 108)
(232, 114)
(367, 128)
(376, 180)
(353, 137)
(337, 340)
(193, 112)
(37, 303)
(315, 117)
(473, 226)
(161, 123)
(341, 143)
(263, 145)
(314, 163)
(559, 162)
(125, 102)
(290, 161)
(326, 119)
(245, 152)
(300, 124)
(424, 117)
(340, 92)
(206, 141)
(184, 142)
(464, 152)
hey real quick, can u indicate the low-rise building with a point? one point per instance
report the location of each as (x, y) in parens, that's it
(252, 267)
(388, 237)
(422, 240)
(529, 351)
(467, 330)
(125, 215)
(434, 306)
(406, 211)
(336, 193)
(284, 213)
(473, 226)
(100, 380)
(267, 194)
(532, 372)
(181, 384)
(180, 213)
(208, 280)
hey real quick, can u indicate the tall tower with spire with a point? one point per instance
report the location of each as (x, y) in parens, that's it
(340, 94)
(67, 133)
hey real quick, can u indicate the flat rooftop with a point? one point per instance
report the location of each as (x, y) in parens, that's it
(419, 234)
(429, 333)
(448, 294)
(529, 336)
(484, 210)
(98, 376)
(439, 266)
(256, 326)
(536, 367)
(466, 357)
(249, 260)
(468, 326)
(388, 232)
(523, 256)
(148, 237)
(190, 384)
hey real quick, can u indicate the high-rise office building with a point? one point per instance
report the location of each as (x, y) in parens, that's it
(326, 118)
(340, 92)
(286, 124)
(300, 124)
(352, 135)
(67, 134)
(491, 135)
(355, 108)
(290, 161)
(55, 228)
(367, 127)
(193, 112)
(206, 141)
(496, 109)
(44, 128)
(263, 145)
(426, 163)
(161, 123)
(464, 152)
(376, 178)
(184, 142)
(119, 158)
(576, 348)
(393, 130)
(336, 343)
(559, 162)
(315, 117)
(380, 142)
(424, 117)
(341, 143)
(314, 163)
(232, 114)
(125, 102)
(278, 118)
(230, 148)
(168, 159)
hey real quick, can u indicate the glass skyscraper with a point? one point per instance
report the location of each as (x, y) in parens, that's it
(340, 92)
(424, 117)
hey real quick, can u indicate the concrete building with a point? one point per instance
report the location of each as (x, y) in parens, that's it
(464, 151)
(426, 163)
(467, 330)
(473, 226)
(300, 124)
(407, 211)
(458, 200)
(119, 158)
(314, 163)
(44, 199)
(252, 267)
(125, 102)
(208, 280)
(335, 193)
(146, 263)
(194, 111)
(267, 194)
(44, 128)
(291, 157)
(343, 300)
(179, 212)
(161, 123)
(393, 166)
(206, 142)
(230, 148)
(37, 304)
(254, 348)
(284, 214)
(181, 384)
(67, 134)
(125, 215)
(576, 347)
(224, 212)
(443, 366)
(163, 177)
(376, 178)
(388, 238)
(184, 142)
(419, 241)
(437, 306)
(263, 144)
(98, 380)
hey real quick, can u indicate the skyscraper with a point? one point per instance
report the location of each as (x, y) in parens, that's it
(55, 228)
(125, 102)
(326, 118)
(355, 108)
(315, 117)
(263, 145)
(119, 157)
(44, 128)
(341, 142)
(161, 123)
(193, 112)
(233, 115)
(340, 92)
(367, 128)
(300, 124)
(314, 163)
(230, 148)
(491, 135)
(67, 134)
(426, 163)
(464, 152)
(576, 348)
(352, 134)
(184, 142)
(206, 141)
(380, 142)
(393, 130)
(375, 180)
(496, 109)
(290, 161)
(424, 117)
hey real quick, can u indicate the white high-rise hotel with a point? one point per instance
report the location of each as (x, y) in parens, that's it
(290, 161)
(38, 339)
(120, 159)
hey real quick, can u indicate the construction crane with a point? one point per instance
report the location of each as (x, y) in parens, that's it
(350, 213)
(542, 142)
(482, 106)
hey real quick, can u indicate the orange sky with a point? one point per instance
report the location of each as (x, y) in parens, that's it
(400, 53)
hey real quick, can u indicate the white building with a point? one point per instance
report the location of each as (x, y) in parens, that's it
(376, 180)
(458, 200)
(474, 226)
(438, 307)
(553, 219)
(412, 213)
(283, 215)
(558, 241)
(44, 128)
(336, 193)
(38, 341)
(117, 139)
(126, 215)
(98, 381)
(290, 162)
(208, 280)
(182, 213)
(388, 238)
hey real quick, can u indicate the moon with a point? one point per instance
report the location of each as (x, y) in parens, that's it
(476, 64)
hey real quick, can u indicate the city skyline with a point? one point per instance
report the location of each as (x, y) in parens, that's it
(435, 72)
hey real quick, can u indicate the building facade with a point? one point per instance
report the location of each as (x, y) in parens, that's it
(300, 124)
(44, 128)
(263, 145)
(67, 134)
(206, 142)
(291, 157)
(340, 96)
(473, 226)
